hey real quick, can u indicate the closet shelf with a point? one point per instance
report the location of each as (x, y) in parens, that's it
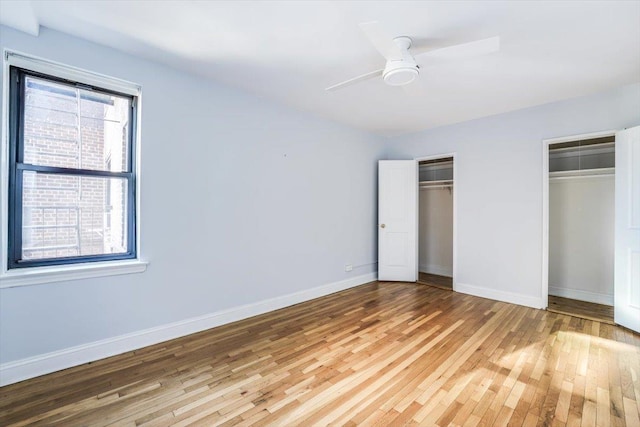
(438, 182)
(584, 173)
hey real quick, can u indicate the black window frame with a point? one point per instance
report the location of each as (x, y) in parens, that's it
(17, 167)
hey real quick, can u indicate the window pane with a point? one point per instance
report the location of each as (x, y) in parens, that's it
(65, 126)
(65, 215)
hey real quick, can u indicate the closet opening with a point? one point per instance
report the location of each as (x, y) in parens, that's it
(435, 222)
(581, 213)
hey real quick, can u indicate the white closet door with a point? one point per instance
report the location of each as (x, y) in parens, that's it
(398, 220)
(627, 258)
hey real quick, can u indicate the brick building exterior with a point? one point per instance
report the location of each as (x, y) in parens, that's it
(66, 215)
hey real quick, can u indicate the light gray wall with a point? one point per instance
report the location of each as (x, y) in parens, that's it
(499, 183)
(581, 238)
(435, 231)
(242, 200)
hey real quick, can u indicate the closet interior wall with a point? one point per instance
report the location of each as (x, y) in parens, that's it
(435, 227)
(581, 220)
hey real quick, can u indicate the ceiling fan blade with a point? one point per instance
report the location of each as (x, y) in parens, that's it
(461, 51)
(381, 41)
(360, 78)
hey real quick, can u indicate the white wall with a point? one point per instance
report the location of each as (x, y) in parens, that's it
(435, 231)
(581, 238)
(242, 201)
(499, 186)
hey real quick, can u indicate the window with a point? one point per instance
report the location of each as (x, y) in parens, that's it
(72, 172)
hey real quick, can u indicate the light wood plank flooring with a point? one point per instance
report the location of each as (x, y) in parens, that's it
(583, 309)
(442, 282)
(387, 354)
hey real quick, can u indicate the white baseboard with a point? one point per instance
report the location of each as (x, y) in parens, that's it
(436, 269)
(581, 295)
(31, 367)
(504, 296)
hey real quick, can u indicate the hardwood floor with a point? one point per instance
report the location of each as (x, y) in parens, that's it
(583, 309)
(387, 354)
(442, 282)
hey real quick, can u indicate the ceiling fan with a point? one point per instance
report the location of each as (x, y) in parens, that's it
(402, 67)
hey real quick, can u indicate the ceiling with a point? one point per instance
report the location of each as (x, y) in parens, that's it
(290, 51)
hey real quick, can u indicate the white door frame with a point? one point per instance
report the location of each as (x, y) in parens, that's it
(455, 209)
(545, 202)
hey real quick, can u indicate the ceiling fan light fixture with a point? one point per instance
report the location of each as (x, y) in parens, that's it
(404, 71)
(400, 76)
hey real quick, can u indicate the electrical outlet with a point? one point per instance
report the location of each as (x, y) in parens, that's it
(348, 267)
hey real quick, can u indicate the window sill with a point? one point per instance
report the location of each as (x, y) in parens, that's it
(40, 275)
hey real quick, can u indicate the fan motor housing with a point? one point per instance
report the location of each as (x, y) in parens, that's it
(399, 73)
